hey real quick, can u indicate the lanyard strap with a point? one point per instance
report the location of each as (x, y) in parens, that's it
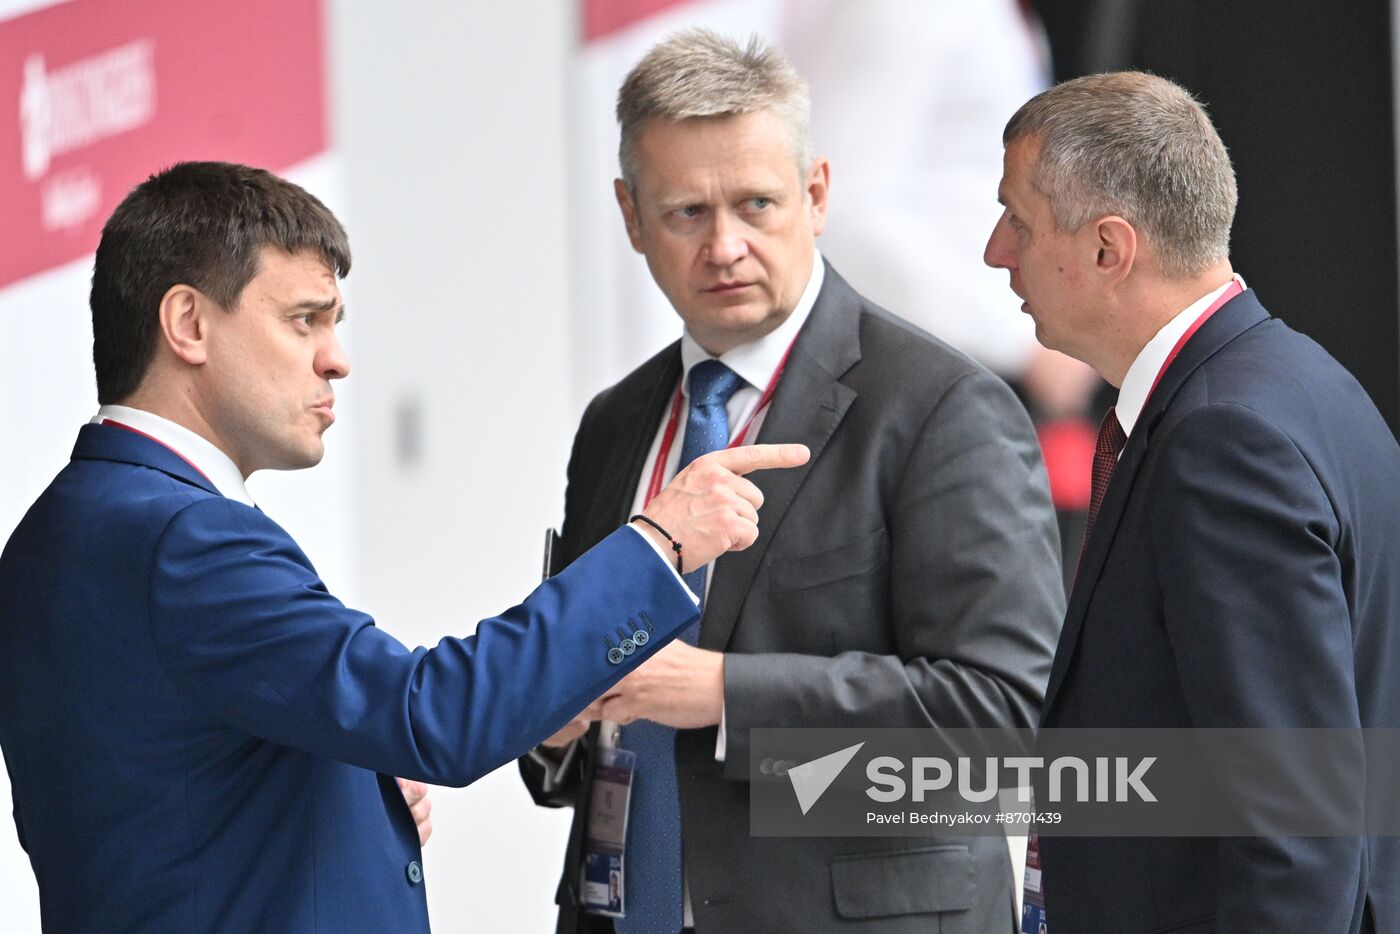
(668, 437)
(1234, 288)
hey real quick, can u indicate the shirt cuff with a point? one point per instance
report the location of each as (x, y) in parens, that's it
(666, 560)
(719, 739)
(554, 769)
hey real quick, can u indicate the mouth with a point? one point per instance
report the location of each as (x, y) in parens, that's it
(728, 288)
(1025, 305)
(324, 409)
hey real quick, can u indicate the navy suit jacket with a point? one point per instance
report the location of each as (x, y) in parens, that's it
(200, 737)
(1241, 573)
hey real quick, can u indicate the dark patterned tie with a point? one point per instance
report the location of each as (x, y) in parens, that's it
(1106, 450)
(653, 871)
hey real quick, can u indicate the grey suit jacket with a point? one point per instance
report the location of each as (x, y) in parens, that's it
(908, 575)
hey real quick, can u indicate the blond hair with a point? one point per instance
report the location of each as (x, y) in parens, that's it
(699, 73)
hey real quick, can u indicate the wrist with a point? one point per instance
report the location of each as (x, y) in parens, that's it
(661, 537)
(717, 689)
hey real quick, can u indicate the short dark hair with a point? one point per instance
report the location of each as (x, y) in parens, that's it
(200, 224)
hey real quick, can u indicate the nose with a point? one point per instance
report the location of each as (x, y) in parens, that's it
(332, 362)
(998, 253)
(727, 244)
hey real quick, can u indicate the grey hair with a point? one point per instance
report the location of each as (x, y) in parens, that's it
(699, 73)
(1138, 146)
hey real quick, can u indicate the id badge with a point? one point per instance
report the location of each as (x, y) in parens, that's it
(1033, 919)
(605, 840)
(1033, 909)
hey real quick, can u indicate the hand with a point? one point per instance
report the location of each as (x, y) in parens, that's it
(710, 507)
(416, 796)
(576, 727)
(1058, 386)
(680, 686)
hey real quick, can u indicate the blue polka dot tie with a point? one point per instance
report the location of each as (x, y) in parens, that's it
(653, 886)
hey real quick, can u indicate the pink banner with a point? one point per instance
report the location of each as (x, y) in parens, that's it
(96, 95)
(602, 18)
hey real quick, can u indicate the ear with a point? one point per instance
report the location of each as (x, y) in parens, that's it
(1116, 242)
(183, 324)
(818, 186)
(629, 213)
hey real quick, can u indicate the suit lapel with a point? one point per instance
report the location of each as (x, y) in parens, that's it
(1233, 319)
(807, 407)
(634, 428)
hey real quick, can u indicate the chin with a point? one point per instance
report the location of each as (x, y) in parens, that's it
(300, 459)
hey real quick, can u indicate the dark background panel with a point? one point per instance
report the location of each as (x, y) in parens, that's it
(1302, 94)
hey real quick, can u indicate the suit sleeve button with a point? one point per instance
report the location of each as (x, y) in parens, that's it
(615, 656)
(640, 638)
(414, 872)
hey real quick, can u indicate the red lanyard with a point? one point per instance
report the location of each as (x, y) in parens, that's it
(1230, 292)
(668, 437)
(136, 431)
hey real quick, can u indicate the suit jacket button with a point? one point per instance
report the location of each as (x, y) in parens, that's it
(640, 638)
(414, 872)
(615, 656)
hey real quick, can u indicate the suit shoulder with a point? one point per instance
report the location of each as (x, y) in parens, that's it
(112, 495)
(1286, 379)
(216, 516)
(907, 359)
(108, 515)
(638, 383)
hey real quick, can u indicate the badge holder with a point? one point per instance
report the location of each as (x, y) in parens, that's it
(605, 840)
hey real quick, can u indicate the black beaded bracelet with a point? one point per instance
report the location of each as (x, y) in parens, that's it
(675, 545)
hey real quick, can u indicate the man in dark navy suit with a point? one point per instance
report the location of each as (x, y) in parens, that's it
(199, 736)
(1239, 567)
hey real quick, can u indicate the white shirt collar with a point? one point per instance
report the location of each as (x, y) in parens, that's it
(217, 466)
(1143, 373)
(755, 362)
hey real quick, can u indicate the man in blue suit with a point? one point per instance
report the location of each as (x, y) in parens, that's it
(1239, 566)
(199, 736)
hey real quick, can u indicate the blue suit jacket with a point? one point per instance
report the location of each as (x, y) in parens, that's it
(200, 736)
(1241, 573)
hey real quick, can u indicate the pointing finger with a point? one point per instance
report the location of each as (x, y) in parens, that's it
(750, 457)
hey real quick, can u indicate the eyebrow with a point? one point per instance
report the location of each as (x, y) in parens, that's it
(314, 305)
(679, 201)
(1005, 202)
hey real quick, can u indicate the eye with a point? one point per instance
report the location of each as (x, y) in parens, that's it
(690, 210)
(303, 322)
(760, 202)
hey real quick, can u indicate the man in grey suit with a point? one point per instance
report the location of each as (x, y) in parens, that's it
(907, 576)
